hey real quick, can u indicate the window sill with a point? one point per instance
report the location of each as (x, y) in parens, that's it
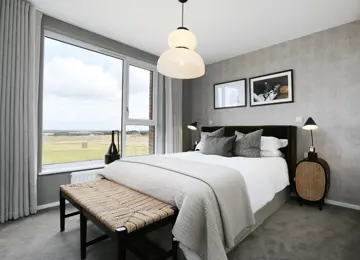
(71, 167)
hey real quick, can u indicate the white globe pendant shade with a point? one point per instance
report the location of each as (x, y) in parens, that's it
(181, 63)
(182, 38)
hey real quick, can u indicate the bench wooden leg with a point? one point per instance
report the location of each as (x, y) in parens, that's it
(62, 213)
(121, 243)
(83, 229)
(175, 244)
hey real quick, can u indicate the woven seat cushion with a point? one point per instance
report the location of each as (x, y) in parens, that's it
(116, 205)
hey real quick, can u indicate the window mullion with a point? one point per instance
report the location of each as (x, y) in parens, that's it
(125, 106)
(156, 108)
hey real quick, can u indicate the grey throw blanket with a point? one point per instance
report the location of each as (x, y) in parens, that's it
(213, 202)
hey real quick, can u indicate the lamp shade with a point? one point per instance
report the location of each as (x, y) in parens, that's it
(181, 63)
(310, 124)
(193, 126)
(182, 37)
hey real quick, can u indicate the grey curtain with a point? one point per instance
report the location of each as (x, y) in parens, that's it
(20, 38)
(173, 116)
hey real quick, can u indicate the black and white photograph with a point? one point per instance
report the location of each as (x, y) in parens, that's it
(230, 94)
(272, 88)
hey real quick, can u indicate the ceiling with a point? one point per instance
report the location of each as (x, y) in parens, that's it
(224, 28)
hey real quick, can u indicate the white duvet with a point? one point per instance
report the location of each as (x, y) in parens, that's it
(224, 216)
(264, 177)
(214, 207)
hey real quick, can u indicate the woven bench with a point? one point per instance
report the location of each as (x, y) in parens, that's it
(123, 214)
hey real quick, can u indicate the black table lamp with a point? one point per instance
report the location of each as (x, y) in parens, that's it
(194, 127)
(311, 125)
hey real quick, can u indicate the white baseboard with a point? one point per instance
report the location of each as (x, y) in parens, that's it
(50, 205)
(336, 203)
(342, 204)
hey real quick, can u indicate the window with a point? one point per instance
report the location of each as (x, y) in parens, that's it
(140, 93)
(140, 119)
(140, 140)
(83, 101)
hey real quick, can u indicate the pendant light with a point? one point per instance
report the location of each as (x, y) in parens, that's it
(181, 61)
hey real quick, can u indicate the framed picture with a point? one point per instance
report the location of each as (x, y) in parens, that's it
(275, 88)
(230, 94)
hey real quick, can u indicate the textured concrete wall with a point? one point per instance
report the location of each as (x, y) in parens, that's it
(327, 87)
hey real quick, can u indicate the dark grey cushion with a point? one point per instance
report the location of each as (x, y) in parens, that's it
(248, 145)
(217, 133)
(218, 145)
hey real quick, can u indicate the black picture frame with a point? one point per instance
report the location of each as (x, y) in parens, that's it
(286, 76)
(243, 80)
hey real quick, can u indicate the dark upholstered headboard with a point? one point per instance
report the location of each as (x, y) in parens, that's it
(278, 131)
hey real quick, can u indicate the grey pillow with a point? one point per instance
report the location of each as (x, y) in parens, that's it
(248, 145)
(218, 133)
(218, 145)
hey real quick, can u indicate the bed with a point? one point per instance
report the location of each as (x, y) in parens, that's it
(262, 208)
(208, 189)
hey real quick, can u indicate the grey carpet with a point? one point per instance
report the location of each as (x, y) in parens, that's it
(293, 232)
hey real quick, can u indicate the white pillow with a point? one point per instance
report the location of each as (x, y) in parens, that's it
(276, 153)
(270, 143)
(284, 143)
(198, 146)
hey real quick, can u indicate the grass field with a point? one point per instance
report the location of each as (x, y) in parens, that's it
(64, 149)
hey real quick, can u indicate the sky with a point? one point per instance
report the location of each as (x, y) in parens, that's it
(83, 89)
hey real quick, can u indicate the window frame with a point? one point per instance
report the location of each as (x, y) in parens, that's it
(125, 120)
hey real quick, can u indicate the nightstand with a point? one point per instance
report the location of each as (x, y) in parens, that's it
(193, 148)
(312, 179)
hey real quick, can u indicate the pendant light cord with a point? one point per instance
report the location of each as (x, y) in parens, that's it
(182, 14)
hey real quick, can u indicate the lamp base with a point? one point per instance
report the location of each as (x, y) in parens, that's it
(312, 156)
(196, 143)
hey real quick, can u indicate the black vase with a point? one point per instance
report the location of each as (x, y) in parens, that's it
(113, 153)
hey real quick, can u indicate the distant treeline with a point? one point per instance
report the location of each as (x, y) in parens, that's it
(87, 133)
